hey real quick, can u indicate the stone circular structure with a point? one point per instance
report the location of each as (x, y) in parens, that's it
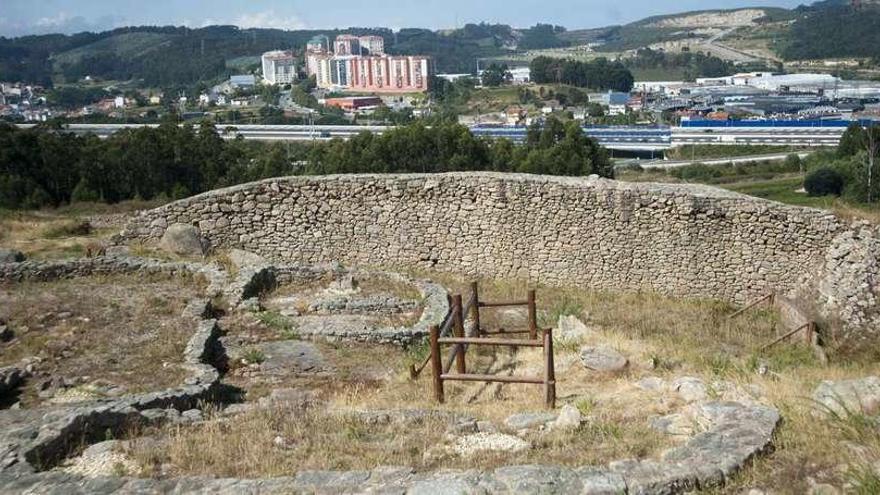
(40, 437)
(681, 240)
(734, 432)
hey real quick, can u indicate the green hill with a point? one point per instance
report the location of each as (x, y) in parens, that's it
(179, 56)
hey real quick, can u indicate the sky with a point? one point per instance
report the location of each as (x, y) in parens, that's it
(19, 17)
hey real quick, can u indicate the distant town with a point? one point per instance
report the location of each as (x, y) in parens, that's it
(356, 75)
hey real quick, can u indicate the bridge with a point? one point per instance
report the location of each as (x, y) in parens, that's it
(623, 138)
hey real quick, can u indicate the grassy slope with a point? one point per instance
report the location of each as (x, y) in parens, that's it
(128, 45)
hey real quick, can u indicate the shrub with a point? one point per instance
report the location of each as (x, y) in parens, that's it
(697, 172)
(82, 193)
(793, 162)
(824, 182)
(74, 228)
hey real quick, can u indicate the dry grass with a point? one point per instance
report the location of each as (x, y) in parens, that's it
(661, 336)
(48, 235)
(124, 330)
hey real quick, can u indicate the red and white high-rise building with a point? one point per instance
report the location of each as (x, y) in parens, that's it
(361, 64)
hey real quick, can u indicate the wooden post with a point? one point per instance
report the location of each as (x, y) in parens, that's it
(549, 371)
(475, 310)
(808, 335)
(436, 366)
(458, 331)
(533, 316)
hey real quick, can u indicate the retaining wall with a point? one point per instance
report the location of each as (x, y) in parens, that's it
(681, 240)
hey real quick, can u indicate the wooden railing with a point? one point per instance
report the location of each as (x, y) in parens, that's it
(440, 375)
(769, 299)
(810, 328)
(454, 322)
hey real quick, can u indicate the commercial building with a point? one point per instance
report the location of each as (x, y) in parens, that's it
(243, 81)
(279, 67)
(354, 103)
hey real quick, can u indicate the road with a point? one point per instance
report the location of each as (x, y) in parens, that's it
(626, 138)
(670, 164)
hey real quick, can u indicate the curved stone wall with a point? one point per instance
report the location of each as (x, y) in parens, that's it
(42, 436)
(681, 240)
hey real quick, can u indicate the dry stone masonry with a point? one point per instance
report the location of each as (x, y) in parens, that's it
(40, 437)
(681, 240)
(32, 440)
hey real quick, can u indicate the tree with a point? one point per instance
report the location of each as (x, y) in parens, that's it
(599, 74)
(823, 182)
(496, 75)
(858, 140)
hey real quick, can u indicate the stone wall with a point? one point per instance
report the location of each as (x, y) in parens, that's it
(681, 240)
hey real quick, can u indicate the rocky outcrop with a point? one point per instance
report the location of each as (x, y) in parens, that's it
(681, 240)
(735, 434)
(849, 284)
(845, 397)
(184, 240)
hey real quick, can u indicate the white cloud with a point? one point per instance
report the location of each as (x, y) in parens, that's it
(60, 22)
(269, 19)
(60, 19)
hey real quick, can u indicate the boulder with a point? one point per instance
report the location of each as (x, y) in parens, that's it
(525, 421)
(690, 389)
(241, 258)
(569, 419)
(477, 443)
(849, 396)
(117, 251)
(602, 359)
(184, 240)
(651, 384)
(11, 256)
(673, 424)
(191, 416)
(570, 327)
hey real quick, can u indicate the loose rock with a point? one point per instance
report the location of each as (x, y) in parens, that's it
(525, 421)
(602, 359)
(570, 327)
(569, 419)
(690, 389)
(469, 445)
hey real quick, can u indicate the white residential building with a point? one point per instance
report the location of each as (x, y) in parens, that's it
(279, 67)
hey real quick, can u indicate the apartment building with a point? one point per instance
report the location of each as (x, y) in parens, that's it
(279, 67)
(360, 64)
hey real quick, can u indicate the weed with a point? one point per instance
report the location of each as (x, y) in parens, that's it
(119, 470)
(585, 406)
(564, 306)
(253, 356)
(274, 320)
(863, 480)
(418, 352)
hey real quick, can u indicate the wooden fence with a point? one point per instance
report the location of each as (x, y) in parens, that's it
(809, 329)
(480, 336)
(454, 322)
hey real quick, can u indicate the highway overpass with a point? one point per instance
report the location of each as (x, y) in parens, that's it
(624, 138)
